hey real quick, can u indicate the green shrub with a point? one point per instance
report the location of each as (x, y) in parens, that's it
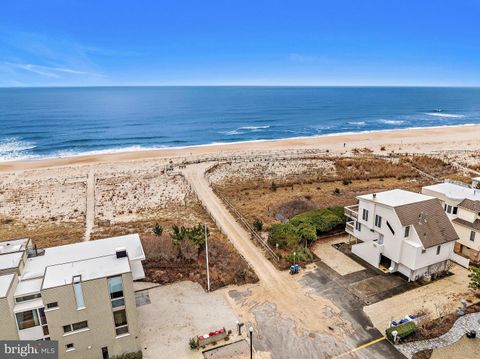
(302, 254)
(346, 181)
(323, 220)
(157, 230)
(132, 355)
(284, 234)
(403, 330)
(273, 187)
(336, 191)
(257, 224)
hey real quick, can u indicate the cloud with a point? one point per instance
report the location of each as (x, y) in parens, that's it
(36, 59)
(48, 71)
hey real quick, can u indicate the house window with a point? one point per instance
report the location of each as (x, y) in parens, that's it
(407, 231)
(69, 347)
(380, 239)
(27, 319)
(424, 250)
(472, 236)
(77, 288)
(438, 249)
(378, 221)
(120, 319)
(365, 215)
(52, 305)
(115, 287)
(75, 326)
(449, 209)
(28, 297)
(358, 226)
(455, 210)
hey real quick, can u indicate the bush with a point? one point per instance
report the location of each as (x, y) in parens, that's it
(273, 187)
(284, 234)
(132, 355)
(404, 330)
(336, 191)
(305, 227)
(195, 235)
(257, 224)
(157, 230)
(323, 220)
(346, 182)
(302, 254)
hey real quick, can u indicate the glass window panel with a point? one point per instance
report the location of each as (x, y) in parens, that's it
(45, 330)
(27, 319)
(115, 287)
(80, 325)
(120, 317)
(43, 319)
(67, 328)
(77, 288)
(118, 302)
(122, 330)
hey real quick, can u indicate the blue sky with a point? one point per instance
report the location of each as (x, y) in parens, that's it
(336, 42)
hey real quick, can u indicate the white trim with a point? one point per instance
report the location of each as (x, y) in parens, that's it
(76, 332)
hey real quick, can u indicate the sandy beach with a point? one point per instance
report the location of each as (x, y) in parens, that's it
(420, 140)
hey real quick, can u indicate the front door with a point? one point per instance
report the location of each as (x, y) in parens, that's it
(105, 353)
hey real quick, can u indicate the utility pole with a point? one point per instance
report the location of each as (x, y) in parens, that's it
(251, 342)
(206, 257)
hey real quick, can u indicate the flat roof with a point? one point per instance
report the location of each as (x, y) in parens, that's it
(10, 260)
(15, 245)
(395, 197)
(5, 283)
(36, 266)
(94, 268)
(455, 191)
(25, 287)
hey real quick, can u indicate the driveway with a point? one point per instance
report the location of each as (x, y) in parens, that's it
(176, 313)
(290, 318)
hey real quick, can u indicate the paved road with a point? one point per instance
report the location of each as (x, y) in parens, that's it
(280, 299)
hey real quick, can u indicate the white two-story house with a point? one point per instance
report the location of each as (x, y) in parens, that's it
(462, 205)
(402, 231)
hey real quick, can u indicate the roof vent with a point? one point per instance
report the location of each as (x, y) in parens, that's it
(121, 252)
(374, 195)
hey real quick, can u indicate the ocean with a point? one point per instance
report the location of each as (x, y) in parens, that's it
(56, 122)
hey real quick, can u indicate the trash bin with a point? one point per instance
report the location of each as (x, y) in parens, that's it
(471, 334)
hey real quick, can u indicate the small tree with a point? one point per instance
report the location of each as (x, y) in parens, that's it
(157, 230)
(273, 187)
(336, 191)
(346, 181)
(258, 224)
(474, 278)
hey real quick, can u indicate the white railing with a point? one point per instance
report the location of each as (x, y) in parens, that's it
(351, 211)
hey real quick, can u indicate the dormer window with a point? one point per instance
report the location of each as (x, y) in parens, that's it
(407, 231)
(378, 221)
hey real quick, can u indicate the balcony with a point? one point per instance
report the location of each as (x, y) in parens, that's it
(349, 228)
(352, 212)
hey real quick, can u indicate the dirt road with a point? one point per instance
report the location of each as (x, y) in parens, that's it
(289, 319)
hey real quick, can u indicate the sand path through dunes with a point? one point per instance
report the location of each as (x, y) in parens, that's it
(90, 212)
(276, 287)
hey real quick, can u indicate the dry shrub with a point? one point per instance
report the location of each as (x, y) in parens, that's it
(366, 168)
(433, 166)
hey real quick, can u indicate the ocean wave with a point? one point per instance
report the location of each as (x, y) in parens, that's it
(244, 129)
(357, 123)
(392, 122)
(15, 148)
(446, 115)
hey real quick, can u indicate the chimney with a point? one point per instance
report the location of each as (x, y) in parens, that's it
(121, 252)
